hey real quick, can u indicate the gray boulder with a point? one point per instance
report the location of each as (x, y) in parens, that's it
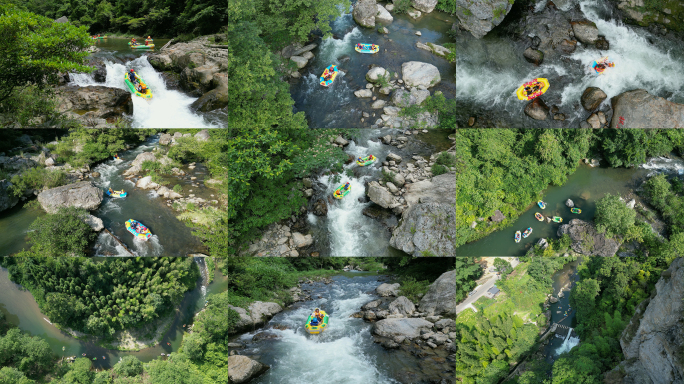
(403, 98)
(7, 200)
(299, 61)
(408, 327)
(364, 13)
(301, 241)
(383, 16)
(445, 323)
(260, 311)
(384, 290)
(640, 109)
(402, 306)
(375, 73)
(242, 369)
(440, 189)
(426, 6)
(417, 73)
(537, 109)
(427, 229)
(81, 195)
(363, 93)
(592, 98)
(533, 56)
(379, 195)
(480, 17)
(202, 135)
(164, 139)
(440, 298)
(569, 203)
(587, 241)
(585, 31)
(94, 222)
(62, 19)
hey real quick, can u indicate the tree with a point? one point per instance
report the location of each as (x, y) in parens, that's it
(128, 366)
(61, 234)
(79, 372)
(502, 265)
(583, 297)
(11, 375)
(613, 217)
(35, 49)
(192, 346)
(177, 369)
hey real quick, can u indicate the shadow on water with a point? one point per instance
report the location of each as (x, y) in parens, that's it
(336, 105)
(21, 310)
(14, 225)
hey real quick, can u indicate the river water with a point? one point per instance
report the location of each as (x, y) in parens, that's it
(563, 281)
(169, 108)
(344, 353)
(171, 237)
(336, 106)
(346, 231)
(21, 309)
(584, 187)
(490, 70)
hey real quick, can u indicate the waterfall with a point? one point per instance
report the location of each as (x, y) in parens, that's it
(568, 343)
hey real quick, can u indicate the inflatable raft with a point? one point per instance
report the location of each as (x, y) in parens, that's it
(120, 193)
(541, 204)
(367, 48)
(131, 86)
(533, 89)
(146, 40)
(517, 236)
(316, 329)
(341, 192)
(576, 210)
(332, 69)
(600, 65)
(527, 232)
(557, 219)
(142, 46)
(539, 216)
(99, 37)
(368, 160)
(138, 230)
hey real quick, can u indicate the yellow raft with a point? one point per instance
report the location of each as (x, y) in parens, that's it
(536, 88)
(316, 329)
(132, 88)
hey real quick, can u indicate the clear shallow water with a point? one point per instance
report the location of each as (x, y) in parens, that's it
(171, 237)
(21, 309)
(167, 109)
(14, 225)
(345, 353)
(585, 187)
(336, 105)
(490, 70)
(565, 278)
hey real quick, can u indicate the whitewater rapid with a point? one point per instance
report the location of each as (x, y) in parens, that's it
(167, 109)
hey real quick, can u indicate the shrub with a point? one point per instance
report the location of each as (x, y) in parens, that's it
(439, 170)
(61, 234)
(128, 366)
(37, 178)
(178, 188)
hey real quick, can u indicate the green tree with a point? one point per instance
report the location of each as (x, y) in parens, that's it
(613, 217)
(583, 297)
(502, 265)
(61, 234)
(11, 375)
(128, 366)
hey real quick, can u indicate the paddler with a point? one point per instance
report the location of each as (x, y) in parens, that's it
(133, 42)
(131, 76)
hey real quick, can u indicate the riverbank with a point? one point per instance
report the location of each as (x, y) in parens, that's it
(384, 200)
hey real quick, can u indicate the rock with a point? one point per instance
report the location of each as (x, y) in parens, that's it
(214, 99)
(585, 31)
(378, 104)
(569, 203)
(301, 241)
(416, 73)
(586, 239)
(639, 109)
(418, 33)
(49, 162)
(305, 49)
(7, 200)
(445, 323)
(261, 312)
(307, 182)
(594, 121)
(384, 290)
(339, 140)
(392, 188)
(101, 102)
(94, 222)
(383, 16)
(568, 46)
(386, 139)
(402, 306)
(299, 61)
(164, 139)
(652, 341)
(62, 19)
(202, 135)
(439, 339)
(533, 56)
(407, 327)
(440, 298)
(363, 93)
(537, 109)
(160, 62)
(242, 369)
(364, 13)
(375, 73)
(630, 204)
(320, 208)
(343, 59)
(543, 243)
(398, 180)
(480, 17)
(83, 194)
(393, 157)
(379, 195)
(389, 344)
(498, 216)
(371, 305)
(426, 230)
(369, 315)
(602, 44)
(144, 183)
(602, 117)
(413, 13)
(426, 6)
(592, 98)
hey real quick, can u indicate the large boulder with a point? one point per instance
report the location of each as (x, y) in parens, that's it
(417, 73)
(652, 341)
(533, 56)
(384, 289)
(440, 189)
(402, 306)
(587, 241)
(408, 327)
(383, 16)
(379, 195)
(375, 73)
(480, 17)
(136, 165)
(301, 241)
(261, 312)
(592, 97)
(364, 13)
(242, 369)
(426, 6)
(216, 98)
(95, 223)
(440, 299)
(164, 139)
(665, 14)
(640, 109)
(244, 319)
(585, 31)
(537, 109)
(102, 102)
(202, 135)
(427, 229)
(62, 19)
(403, 98)
(81, 195)
(7, 200)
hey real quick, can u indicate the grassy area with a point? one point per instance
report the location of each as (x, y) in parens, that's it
(211, 267)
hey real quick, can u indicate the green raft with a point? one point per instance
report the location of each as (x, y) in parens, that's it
(316, 329)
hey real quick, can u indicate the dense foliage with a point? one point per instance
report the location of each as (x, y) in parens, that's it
(100, 298)
(613, 217)
(60, 234)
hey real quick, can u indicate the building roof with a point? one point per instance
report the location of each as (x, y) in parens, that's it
(493, 290)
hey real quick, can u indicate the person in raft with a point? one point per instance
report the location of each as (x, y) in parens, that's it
(317, 317)
(346, 186)
(133, 42)
(131, 76)
(142, 88)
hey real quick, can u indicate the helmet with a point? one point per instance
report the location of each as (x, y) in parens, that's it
(148, 37)
(132, 70)
(317, 309)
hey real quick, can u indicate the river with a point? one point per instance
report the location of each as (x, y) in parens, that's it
(21, 309)
(563, 281)
(169, 108)
(344, 353)
(171, 237)
(346, 231)
(489, 70)
(336, 106)
(584, 187)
